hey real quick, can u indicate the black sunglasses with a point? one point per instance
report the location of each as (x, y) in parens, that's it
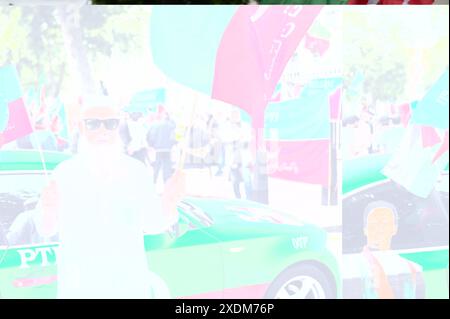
(94, 124)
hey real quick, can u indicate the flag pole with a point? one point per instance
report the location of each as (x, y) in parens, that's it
(34, 139)
(38, 145)
(188, 128)
(41, 156)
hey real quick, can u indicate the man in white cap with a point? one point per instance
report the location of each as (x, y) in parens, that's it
(100, 202)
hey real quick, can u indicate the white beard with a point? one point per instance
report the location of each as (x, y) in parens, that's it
(102, 160)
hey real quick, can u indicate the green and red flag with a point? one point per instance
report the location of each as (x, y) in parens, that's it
(14, 120)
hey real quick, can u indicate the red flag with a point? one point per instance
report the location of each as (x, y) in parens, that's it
(443, 148)
(335, 104)
(55, 124)
(420, 1)
(42, 103)
(276, 96)
(316, 45)
(14, 119)
(429, 136)
(405, 113)
(254, 50)
(305, 161)
(18, 122)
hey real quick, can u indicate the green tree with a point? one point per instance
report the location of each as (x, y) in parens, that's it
(44, 41)
(383, 47)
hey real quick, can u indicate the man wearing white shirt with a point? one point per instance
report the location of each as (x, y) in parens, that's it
(100, 202)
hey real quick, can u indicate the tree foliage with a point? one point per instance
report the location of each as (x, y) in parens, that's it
(383, 46)
(31, 38)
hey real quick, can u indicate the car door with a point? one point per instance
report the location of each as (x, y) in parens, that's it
(27, 261)
(189, 261)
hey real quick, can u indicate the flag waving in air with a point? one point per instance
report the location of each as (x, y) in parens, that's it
(433, 109)
(253, 52)
(233, 54)
(423, 154)
(14, 120)
(297, 132)
(237, 54)
(184, 42)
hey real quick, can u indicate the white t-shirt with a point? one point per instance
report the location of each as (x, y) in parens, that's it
(101, 222)
(138, 133)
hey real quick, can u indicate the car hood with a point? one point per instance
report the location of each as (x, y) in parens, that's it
(243, 219)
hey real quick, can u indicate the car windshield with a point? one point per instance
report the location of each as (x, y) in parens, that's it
(421, 222)
(195, 213)
(19, 193)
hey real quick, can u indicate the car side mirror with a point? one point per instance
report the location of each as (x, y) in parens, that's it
(178, 230)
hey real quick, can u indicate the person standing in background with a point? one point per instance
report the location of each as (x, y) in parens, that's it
(134, 132)
(161, 138)
(216, 155)
(236, 177)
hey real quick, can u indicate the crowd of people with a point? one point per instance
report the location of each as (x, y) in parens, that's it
(218, 144)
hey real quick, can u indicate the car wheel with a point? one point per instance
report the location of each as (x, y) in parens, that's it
(301, 282)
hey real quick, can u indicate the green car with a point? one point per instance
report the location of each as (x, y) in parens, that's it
(423, 226)
(219, 248)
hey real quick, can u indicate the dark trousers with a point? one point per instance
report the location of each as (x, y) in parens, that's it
(164, 162)
(236, 179)
(237, 189)
(220, 157)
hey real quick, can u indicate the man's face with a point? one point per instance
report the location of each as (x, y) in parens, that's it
(99, 125)
(381, 227)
